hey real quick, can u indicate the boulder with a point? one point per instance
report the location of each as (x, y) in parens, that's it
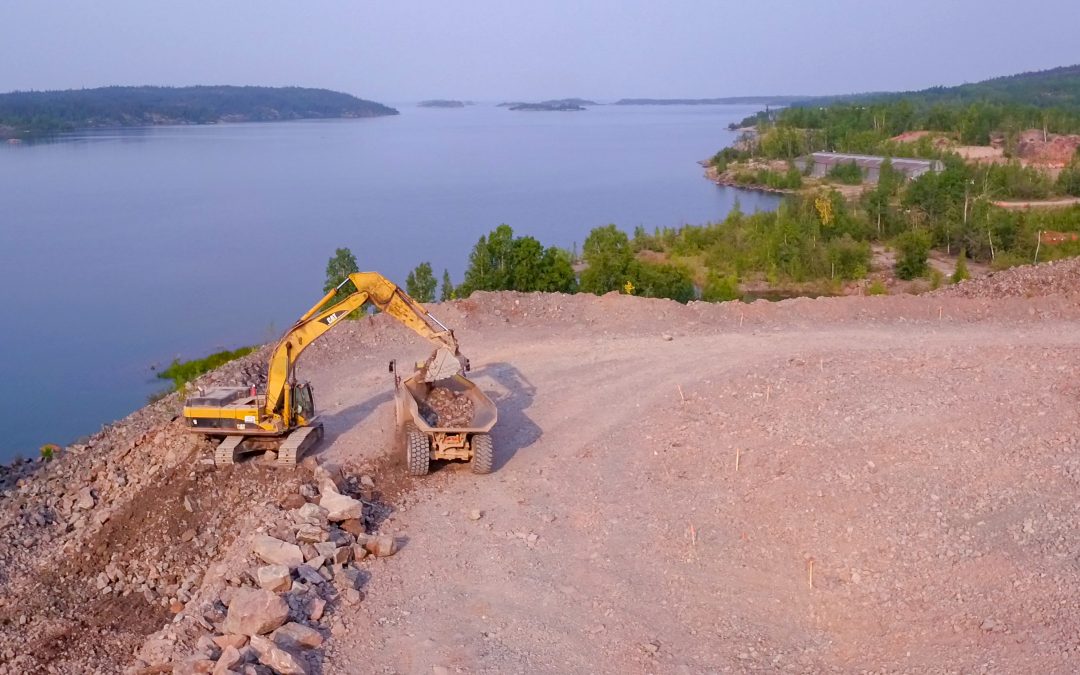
(310, 534)
(85, 499)
(381, 546)
(255, 611)
(329, 477)
(229, 658)
(355, 527)
(226, 641)
(310, 514)
(278, 659)
(316, 608)
(342, 555)
(309, 574)
(326, 548)
(276, 552)
(273, 577)
(295, 634)
(340, 507)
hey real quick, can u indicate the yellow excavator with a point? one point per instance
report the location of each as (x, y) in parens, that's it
(283, 419)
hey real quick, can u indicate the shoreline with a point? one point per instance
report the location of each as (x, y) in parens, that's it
(712, 176)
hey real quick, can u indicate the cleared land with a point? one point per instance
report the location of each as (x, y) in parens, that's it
(668, 478)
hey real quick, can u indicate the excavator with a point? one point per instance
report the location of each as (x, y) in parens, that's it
(283, 419)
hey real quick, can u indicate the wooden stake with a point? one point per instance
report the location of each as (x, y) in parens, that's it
(821, 364)
(680, 393)
(740, 319)
(693, 535)
(738, 455)
(939, 309)
(768, 392)
(811, 572)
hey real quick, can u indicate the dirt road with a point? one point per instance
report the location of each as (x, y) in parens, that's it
(926, 466)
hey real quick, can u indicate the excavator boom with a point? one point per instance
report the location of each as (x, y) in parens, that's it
(389, 298)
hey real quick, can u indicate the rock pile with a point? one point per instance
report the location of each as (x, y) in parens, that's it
(1060, 277)
(273, 610)
(447, 408)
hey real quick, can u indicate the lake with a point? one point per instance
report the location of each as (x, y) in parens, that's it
(123, 249)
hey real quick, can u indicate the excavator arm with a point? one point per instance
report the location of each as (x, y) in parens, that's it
(390, 299)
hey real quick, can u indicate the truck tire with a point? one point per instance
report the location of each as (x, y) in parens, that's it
(483, 454)
(417, 451)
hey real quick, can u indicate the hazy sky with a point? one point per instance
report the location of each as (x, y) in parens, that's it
(494, 50)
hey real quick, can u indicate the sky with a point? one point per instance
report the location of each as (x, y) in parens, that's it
(489, 50)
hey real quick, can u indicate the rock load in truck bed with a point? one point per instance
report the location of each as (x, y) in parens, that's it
(446, 408)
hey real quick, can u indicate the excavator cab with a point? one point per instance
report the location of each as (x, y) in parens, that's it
(304, 400)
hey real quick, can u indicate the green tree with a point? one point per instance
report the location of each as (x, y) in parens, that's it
(490, 262)
(447, 290)
(912, 248)
(608, 254)
(1068, 181)
(526, 265)
(557, 272)
(421, 284)
(961, 271)
(338, 269)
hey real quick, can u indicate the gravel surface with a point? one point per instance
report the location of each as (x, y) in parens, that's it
(860, 484)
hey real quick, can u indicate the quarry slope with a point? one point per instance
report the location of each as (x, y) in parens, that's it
(849, 484)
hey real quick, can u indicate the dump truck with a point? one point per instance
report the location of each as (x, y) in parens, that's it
(426, 438)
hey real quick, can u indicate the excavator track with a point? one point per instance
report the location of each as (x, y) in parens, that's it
(228, 451)
(298, 442)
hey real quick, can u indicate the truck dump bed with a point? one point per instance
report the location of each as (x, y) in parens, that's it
(484, 412)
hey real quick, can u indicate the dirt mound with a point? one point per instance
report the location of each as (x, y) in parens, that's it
(1050, 150)
(1059, 277)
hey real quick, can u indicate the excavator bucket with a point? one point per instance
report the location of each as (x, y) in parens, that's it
(442, 365)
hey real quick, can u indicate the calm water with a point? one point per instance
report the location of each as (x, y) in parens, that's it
(124, 249)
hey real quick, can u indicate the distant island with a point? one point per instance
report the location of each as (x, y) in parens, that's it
(29, 113)
(730, 100)
(442, 103)
(557, 104)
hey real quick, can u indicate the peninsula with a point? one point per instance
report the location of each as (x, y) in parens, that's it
(29, 113)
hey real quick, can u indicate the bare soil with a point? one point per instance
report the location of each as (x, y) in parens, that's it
(853, 484)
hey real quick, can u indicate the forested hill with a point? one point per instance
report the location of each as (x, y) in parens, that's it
(1048, 99)
(1054, 88)
(35, 112)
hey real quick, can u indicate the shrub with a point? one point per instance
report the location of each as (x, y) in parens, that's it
(912, 248)
(961, 271)
(182, 372)
(720, 288)
(877, 287)
(846, 172)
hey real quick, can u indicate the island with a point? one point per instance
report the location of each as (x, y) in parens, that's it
(549, 107)
(30, 113)
(441, 103)
(556, 104)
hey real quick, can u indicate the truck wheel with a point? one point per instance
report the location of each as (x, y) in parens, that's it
(483, 454)
(417, 451)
